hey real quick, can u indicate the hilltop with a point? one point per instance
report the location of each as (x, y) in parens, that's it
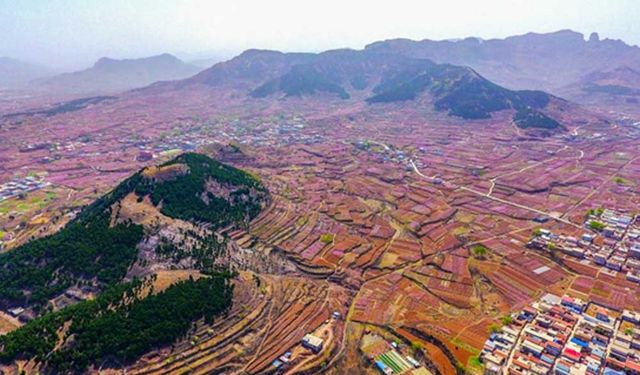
(100, 246)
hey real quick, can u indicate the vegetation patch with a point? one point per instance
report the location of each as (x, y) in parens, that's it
(621, 181)
(326, 238)
(528, 117)
(118, 324)
(474, 365)
(70, 106)
(596, 225)
(43, 268)
(479, 251)
(595, 211)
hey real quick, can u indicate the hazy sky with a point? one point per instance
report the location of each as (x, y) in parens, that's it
(74, 33)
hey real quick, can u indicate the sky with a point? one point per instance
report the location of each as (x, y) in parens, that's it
(71, 34)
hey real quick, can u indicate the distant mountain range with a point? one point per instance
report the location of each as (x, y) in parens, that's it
(531, 61)
(469, 78)
(15, 73)
(550, 62)
(109, 75)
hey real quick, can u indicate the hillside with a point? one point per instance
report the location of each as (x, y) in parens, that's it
(617, 88)
(109, 75)
(119, 325)
(337, 72)
(300, 80)
(459, 91)
(622, 81)
(97, 249)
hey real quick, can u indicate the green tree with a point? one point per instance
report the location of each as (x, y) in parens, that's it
(621, 181)
(416, 347)
(596, 225)
(326, 238)
(479, 251)
(506, 320)
(628, 331)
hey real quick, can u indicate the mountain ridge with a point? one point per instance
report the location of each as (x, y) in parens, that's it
(547, 61)
(108, 75)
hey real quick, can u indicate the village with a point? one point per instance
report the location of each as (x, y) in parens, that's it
(565, 336)
(611, 240)
(21, 186)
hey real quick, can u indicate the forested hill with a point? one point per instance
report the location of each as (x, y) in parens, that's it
(96, 249)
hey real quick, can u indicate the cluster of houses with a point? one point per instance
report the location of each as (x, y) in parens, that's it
(565, 336)
(624, 353)
(616, 248)
(269, 132)
(195, 133)
(386, 154)
(20, 186)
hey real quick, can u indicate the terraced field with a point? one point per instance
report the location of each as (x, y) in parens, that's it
(270, 315)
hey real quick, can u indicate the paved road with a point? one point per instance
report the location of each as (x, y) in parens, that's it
(500, 200)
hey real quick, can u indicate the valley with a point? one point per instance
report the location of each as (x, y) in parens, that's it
(360, 207)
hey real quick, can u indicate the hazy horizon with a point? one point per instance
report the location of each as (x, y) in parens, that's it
(69, 34)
